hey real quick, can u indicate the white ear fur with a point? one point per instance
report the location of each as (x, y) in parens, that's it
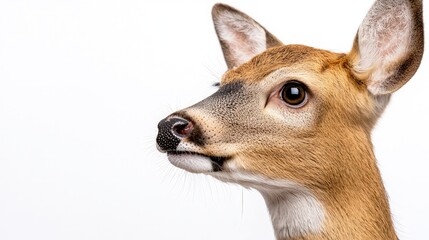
(246, 39)
(240, 36)
(387, 39)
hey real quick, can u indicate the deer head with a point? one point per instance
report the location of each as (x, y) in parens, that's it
(294, 122)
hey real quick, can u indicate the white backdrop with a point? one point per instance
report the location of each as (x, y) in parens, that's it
(83, 85)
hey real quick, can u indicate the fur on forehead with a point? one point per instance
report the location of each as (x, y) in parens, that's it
(283, 56)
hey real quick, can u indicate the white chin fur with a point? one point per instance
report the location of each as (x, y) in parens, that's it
(191, 162)
(295, 211)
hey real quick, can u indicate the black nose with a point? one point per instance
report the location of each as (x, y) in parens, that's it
(171, 131)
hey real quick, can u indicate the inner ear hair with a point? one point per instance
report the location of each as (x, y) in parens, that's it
(389, 44)
(240, 37)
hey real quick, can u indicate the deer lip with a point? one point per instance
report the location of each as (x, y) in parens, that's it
(177, 158)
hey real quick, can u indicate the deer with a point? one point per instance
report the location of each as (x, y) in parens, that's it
(294, 122)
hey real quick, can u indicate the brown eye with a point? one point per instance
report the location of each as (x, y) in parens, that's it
(294, 94)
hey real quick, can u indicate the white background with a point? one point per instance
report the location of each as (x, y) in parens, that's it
(83, 85)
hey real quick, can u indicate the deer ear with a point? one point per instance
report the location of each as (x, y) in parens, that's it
(240, 37)
(388, 47)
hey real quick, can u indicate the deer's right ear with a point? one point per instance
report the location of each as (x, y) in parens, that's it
(388, 47)
(240, 37)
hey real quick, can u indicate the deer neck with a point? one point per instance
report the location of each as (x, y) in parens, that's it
(356, 207)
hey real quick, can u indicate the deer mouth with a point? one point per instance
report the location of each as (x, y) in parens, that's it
(196, 162)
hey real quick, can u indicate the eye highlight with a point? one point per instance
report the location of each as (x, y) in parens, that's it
(294, 94)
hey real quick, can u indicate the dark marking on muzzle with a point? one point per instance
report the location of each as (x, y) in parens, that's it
(228, 90)
(217, 163)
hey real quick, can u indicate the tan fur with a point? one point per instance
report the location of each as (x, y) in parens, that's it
(332, 150)
(324, 146)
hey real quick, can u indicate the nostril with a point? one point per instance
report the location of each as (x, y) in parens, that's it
(171, 131)
(183, 128)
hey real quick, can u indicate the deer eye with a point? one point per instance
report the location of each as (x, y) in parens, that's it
(294, 94)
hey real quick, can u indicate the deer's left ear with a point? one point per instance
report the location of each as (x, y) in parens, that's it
(240, 37)
(388, 47)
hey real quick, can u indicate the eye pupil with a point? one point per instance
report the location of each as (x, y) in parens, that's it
(293, 93)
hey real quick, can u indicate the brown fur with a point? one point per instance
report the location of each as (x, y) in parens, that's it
(324, 145)
(333, 151)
